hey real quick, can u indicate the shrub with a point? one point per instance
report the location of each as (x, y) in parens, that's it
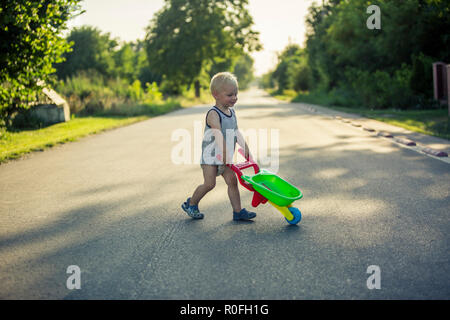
(381, 90)
(152, 93)
(89, 93)
(302, 78)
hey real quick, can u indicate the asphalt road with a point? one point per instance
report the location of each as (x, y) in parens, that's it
(110, 204)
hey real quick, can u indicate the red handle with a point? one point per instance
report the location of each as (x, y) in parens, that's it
(241, 151)
(240, 166)
(257, 198)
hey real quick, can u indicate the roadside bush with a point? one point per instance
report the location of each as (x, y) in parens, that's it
(381, 90)
(421, 81)
(150, 94)
(89, 93)
(302, 78)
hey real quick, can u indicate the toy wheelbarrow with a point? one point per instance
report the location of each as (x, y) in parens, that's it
(267, 186)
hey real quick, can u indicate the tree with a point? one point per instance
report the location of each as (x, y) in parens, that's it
(91, 50)
(289, 62)
(124, 61)
(31, 44)
(243, 70)
(188, 36)
(142, 66)
(378, 68)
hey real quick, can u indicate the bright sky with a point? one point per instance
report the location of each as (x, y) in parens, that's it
(279, 22)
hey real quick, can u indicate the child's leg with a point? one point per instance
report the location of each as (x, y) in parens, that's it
(233, 189)
(209, 176)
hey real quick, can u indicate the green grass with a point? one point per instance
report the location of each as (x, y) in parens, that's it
(319, 98)
(286, 95)
(15, 144)
(434, 122)
(431, 122)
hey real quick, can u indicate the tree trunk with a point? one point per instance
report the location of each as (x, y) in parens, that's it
(197, 88)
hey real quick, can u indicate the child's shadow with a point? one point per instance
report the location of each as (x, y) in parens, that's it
(288, 229)
(233, 222)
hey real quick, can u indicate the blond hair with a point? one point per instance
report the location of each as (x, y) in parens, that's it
(222, 78)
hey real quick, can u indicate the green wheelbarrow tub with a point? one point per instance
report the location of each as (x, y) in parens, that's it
(273, 188)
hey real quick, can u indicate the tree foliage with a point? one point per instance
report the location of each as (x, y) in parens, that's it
(243, 70)
(190, 36)
(382, 68)
(379, 68)
(291, 71)
(31, 43)
(91, 50)
(95, 51)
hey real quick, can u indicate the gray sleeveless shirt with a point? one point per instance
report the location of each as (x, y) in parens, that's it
(228, 128)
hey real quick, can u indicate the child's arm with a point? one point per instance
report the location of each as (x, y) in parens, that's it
(213, 121)
(241, 141)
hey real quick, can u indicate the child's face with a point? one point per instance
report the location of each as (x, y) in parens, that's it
(226, 96)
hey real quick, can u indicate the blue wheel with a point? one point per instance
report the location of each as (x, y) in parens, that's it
(297, 215)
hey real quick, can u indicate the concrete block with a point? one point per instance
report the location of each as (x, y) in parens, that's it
(57, 111)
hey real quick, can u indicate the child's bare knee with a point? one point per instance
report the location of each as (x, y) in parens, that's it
(231, 181)
(210, 185)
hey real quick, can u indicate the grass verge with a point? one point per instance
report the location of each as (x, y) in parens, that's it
(15, 144)
(434, 122)
(286, 95)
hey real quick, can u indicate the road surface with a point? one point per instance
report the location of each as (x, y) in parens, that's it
(110, 204)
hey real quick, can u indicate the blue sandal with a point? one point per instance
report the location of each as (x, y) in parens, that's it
(243, 215)
(192, 211)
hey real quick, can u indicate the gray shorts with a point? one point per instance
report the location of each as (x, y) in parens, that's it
(220, 168)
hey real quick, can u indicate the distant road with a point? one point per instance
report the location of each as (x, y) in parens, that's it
(110, 204)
